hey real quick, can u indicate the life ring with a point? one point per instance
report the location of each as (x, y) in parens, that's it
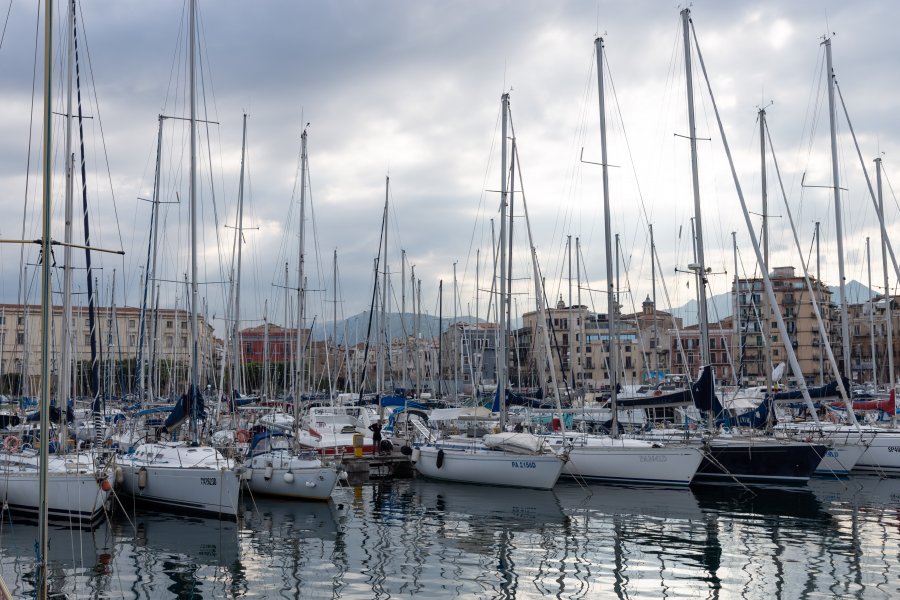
(440, 459)
(315, 433)
(11, 443)
(242, 436)
(657, 393)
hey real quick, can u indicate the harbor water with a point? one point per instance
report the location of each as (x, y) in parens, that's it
(424, 539)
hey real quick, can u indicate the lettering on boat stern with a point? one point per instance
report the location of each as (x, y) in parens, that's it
(524, 464)
(207, 481)
(893, 448)
(653, 458)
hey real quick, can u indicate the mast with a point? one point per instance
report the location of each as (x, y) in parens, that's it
(236, 324)
(440, 369)
(285, 353)
(337, 368)
(145, 376)
(571, 319)
(871, 313)
(46, 300)
(823, 341)
(457, 347)
(767, 321)
(838, 213)
(700, 266)
(65, 366)
(301, 288)
(888, 296)
(735, 320)
(653, 291)
(382, 331)
(194, 390)
(607, 226)
(265, 382)
(501, 313)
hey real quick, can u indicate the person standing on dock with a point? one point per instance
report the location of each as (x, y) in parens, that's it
(375, 428)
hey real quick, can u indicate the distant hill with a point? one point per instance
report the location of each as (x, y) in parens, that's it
(721, 304)
(354, 329)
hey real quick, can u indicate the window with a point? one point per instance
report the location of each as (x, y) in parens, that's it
(131, 323)
(87, 339)
(20, 320)
(132, 340)
(169, 341)
(168, 324)
(20, 338)
(184, 342)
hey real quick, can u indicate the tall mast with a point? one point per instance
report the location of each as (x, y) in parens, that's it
(571, 319)
(65, 367)
(236, 325)
(888, 296)
(457, 346)
(607, 227)
(838, 213)
(653, 290)
(301, 286)
(736, 320)
(767, 321)
(46, 300)
(194, 390)
(285, 356)
(819, 287)
(501, 313)
(871, 313)
(700, 266)
(265, 381)
(383, 347)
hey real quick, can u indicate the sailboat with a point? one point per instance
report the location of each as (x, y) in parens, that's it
(178, 475)
(734, 457)
(516, 459)
(35, 482)
(615, 457)
(276, 466)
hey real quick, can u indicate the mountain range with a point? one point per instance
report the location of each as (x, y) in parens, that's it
(354, 329)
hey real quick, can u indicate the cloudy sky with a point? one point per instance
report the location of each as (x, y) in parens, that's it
(412, 90)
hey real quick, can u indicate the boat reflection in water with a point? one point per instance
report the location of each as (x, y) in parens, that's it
(77, 558)
(177, 556)
(428, 539)
(292, 549)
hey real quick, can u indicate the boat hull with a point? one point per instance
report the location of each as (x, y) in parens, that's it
(489, 467)
(666, 465)
(182, 479)
(74, 495)
(759, 461)
(290, 476)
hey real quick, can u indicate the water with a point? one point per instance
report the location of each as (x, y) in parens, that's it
(411, 539)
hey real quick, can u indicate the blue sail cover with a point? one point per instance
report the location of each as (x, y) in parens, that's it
(192, 402)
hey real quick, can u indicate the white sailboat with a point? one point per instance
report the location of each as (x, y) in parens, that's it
(275, 464)
(613, 457)
(71, 489)
(506, 459)
(185, 476)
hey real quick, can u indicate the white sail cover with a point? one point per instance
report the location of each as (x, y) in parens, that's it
(514, 442)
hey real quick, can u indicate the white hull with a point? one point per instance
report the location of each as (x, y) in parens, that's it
(489, 467)
(630, 461)
(180, 478)
(883, 455)
(841, 459)
(281, 473)
(74, 494)
(880, 448)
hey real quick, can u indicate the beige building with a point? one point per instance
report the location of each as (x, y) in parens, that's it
(580, 339)
(863, 317)
(118, 345)
(794, 300)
